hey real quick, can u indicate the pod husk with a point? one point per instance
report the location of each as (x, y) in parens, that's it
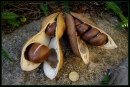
(78, 46)
(40, 37)
(48, 70)
(110, 44)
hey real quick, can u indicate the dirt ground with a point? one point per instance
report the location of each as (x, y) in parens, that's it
(100, 59)
(32, 11)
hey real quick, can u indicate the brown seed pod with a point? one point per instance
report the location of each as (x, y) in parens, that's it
(86, 34)
(79, 46)
(38, 53)
(110, 44)
(50, 42)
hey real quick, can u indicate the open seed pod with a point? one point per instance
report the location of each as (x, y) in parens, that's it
(109, 44)
(52, 42)
(79, 29)
(78, 46)
(55, 60)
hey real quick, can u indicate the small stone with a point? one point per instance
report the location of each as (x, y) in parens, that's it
(73, 76)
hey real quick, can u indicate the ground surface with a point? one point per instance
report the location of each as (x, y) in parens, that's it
(32, 11)
(100, 59)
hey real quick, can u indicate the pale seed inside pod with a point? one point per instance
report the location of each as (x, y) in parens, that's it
(89, 34)
(50, 30)
(82, 28)
(38, 53)
(98, 40)
(52, 60)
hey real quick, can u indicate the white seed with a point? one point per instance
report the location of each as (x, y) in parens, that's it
(73, 76)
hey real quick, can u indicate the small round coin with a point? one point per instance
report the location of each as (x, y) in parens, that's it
(73, 76)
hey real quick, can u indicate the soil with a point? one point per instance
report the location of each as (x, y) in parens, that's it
(32, 10)
(13, 39)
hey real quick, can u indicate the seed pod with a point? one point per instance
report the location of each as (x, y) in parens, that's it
(86, 34)
(51, 42)
(79, 46)
(110, 44)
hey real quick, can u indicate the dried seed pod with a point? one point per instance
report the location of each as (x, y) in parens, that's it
(78, 46)
(51, 42)
(86, 34)
(110, 43)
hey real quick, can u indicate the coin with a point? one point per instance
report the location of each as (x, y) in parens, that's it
(73, 76)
